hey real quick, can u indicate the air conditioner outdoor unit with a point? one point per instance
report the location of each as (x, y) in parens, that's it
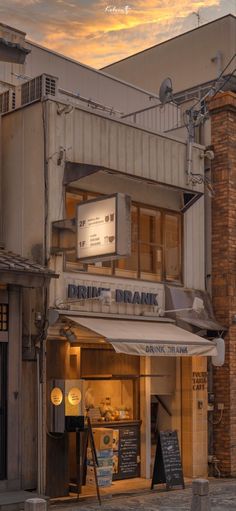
(7, 101)
(38, 87)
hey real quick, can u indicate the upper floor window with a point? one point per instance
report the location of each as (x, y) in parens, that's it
(156, 244)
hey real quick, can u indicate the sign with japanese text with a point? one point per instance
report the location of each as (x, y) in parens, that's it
(103, 228)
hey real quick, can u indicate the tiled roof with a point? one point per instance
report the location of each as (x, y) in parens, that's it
(16, 263)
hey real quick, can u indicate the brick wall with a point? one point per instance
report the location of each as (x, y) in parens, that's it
(223, 126)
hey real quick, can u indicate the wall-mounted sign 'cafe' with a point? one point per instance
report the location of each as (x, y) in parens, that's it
(104, 228)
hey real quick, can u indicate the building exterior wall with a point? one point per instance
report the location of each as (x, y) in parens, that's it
(89, 138)
(74, 77)
(131, 152)
(23, 166)
(223, 122)
(150, 67)
(86, 81)
(194, 248)
(33, 194)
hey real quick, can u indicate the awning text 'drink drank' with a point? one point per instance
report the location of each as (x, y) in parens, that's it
(147, 338)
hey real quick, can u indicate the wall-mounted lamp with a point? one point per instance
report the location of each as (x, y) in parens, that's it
(208, 154)
(69, 334)
(105, 296)
(198, 306)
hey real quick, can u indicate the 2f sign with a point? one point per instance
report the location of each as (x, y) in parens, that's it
(104, 228)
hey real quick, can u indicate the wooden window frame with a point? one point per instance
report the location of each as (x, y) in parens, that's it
(71, 266)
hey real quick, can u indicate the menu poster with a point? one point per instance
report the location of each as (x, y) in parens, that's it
(167, 465)
(128, 452)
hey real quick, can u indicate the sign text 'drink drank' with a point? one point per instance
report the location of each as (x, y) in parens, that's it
(104, 228)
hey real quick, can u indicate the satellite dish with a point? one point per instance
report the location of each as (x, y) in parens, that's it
(165, 91)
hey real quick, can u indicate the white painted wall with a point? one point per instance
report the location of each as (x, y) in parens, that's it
(23, 181)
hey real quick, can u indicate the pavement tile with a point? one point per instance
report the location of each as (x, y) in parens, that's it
(222, 498)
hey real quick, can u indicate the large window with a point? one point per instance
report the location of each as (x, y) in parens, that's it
(155, 240)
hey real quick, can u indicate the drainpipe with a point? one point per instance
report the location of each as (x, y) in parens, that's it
(191, 137)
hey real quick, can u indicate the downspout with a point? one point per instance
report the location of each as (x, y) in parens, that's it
(191, 138)
(189, 160)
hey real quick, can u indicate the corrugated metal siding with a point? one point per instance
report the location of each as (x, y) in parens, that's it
(194, 253)
(159, 119)
(98, 140)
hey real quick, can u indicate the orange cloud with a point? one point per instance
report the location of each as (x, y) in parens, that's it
(98, 32)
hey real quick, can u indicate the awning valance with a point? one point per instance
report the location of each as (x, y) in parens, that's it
(147, 338)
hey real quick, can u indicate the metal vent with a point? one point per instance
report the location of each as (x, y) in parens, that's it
(38, 87)
(7, 101)
(50, 85)
(31, 90)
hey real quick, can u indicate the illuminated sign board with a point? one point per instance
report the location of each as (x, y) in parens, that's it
(104, 228)
(56, 396)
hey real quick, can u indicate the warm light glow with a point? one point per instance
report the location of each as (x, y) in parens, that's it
(56, 396)
(96, 228)
(89, 32)
(74, 396)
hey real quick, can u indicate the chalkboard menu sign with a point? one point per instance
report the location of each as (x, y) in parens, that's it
(167, 465)
(128, 453)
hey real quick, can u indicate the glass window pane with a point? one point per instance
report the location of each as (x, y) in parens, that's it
(172, 247)
(150, 248)
(151, 262)
(72, 199)
(150, 226)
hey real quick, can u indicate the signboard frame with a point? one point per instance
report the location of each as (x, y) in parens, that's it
(163, 471)
(122, 225)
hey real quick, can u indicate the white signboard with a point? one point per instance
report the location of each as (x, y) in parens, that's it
(103, 228)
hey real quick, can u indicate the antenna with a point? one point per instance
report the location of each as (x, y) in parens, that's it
(165, 91)
(197, 14)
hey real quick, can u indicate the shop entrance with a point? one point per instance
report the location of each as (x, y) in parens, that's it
(3, 408)
(160, 420)
(109, 384)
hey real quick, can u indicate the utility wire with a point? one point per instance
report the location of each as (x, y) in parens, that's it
(219, 77)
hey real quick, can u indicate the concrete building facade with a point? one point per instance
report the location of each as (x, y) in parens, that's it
(201, 64)
(60, 150)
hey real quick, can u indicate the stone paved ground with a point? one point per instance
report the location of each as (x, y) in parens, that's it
(222, 497)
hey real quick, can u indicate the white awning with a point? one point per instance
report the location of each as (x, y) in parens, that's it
(147, 338)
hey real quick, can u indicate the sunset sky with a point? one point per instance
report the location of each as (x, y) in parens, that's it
(98, 32)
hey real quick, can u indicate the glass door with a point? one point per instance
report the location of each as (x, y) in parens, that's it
(3, 409)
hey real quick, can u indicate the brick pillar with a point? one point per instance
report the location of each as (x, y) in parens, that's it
(223, 128)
